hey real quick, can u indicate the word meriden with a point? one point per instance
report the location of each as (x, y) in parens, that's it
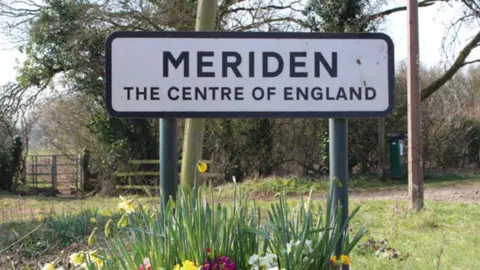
(231, 60)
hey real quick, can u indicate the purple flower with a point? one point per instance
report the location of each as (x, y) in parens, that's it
(222, 263)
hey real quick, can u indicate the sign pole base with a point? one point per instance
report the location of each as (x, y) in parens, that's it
(168, 158)
(338, 137)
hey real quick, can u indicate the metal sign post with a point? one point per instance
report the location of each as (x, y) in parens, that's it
(168, 158)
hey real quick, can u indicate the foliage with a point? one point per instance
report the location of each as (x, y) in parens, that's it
(195, 229)
(10, 164)
(423, 235)
(337, 16)
(57, 230)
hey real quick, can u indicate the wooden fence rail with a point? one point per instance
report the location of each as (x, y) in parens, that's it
(131, 174)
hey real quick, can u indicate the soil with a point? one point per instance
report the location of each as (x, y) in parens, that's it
(466, 193)
(462, 192)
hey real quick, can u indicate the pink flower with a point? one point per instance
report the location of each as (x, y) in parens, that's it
(222, 263)
(145, 265)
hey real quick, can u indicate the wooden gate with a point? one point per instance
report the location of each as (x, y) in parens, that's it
(60, 173)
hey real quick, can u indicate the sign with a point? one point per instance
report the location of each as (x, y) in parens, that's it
(249, 74)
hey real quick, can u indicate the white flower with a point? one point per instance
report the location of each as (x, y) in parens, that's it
(270, 256)
(262, 262)
(253, 259)
(308, 243)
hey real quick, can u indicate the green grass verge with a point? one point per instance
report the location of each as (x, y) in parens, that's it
(444, 233)
(358, 184)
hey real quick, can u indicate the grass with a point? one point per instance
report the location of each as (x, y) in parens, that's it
(443, 236)
(449, 229)
(258, 188)
(24, 208)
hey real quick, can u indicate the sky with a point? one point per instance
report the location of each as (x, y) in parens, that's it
(432, 23)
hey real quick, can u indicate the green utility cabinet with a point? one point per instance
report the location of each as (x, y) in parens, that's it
(397, 157)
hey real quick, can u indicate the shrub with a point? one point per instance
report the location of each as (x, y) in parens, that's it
(10, 163)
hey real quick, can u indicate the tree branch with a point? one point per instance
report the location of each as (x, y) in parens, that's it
(458, 64)
(425, 3)
(471, 62)
(472, 5)
(267, 21)
(268, 7)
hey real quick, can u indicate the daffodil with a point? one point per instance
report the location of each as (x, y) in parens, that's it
(202, 167)
(345, 259)
(95, 259)
(48, 266)
(106, 213)
(93, 220)
(171, 200)
(189, 265)
(333, 259)
(176, 267)
(127, 205)
(123, 222)
(77, 258)
(91, 238)
(287, 183)
(108, 228)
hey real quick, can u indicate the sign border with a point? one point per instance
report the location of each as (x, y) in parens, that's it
(249, 35)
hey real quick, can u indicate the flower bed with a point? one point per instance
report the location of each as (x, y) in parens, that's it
(195, 232)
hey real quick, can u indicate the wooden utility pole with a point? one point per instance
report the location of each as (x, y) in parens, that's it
(195, 128)
(415, 173)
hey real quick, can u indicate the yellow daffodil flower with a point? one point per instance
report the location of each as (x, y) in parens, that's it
(202, 167)
(189, 265)
(127, 205)
(345, 259)
(77, 258)
(123, 222)
(48, 266)
(91, 238)
(108, 228)
(177, 267)
(93, 220)
(106, 213)
(287, 183)
(95, 259)
(172, 201)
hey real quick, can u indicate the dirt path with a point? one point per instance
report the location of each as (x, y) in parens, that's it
(453, 192)
(463, 192)
(468, 193)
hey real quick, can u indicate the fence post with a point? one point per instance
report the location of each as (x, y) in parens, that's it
(85, 159)
(76, 172)
(33, 172)
(54, 173)
(80, 170)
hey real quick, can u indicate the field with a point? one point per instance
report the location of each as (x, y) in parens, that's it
(443, 236)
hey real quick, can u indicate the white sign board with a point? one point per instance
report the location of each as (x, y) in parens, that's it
(249, 74)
